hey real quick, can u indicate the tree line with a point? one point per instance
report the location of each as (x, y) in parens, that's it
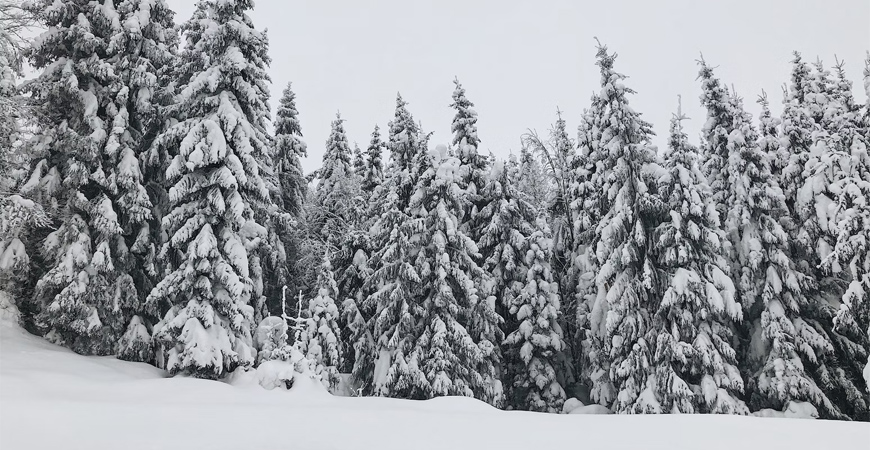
(153, 210)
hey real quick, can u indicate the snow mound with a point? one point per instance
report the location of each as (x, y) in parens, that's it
(8, 312)
(291, 376)
(570, 405)
(574, 406)
(793, 410)
(591, 409)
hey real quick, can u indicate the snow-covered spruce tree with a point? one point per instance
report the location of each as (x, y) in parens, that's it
(560, 159)
(771, 291)
(812, 235)
(534, 347)
(562, 163)
(335, 198)
(532, 181)
(585, 209)
(695, 365)
(336, 213)
(395, 311)
(771, 142)
(359, 348)
(144, 65)
(319, 337)
(359, 162)
(798, 127)
(474, 167)
(289, 151)
(472, 178)
(100, 67)
(355, 270)
(216, 184)
(714, 151)
(389, 304)
(373, 176)
(504, 224)
(506, 221)
(405, 146)
(452, 359)
(621, 317)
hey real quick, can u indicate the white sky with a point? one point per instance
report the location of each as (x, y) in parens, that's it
(520, 60)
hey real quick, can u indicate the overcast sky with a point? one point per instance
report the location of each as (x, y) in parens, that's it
(520, 60)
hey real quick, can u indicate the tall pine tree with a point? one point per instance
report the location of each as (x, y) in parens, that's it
(455, 349)
(621, 319)
(533, 355)
(100, 70)
(216, 186)
(373, 175)
(289, 151)
(695, 365)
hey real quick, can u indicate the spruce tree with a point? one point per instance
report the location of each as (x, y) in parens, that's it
(405, 146)
(335, 207)
(563, 162)
(771, 141)
(359, 354)
(506, 222)
(456, 356)
(289, 151)
(393, 309)
(798, 127)
(505, 226)
(389, 304)
(216, 187)
(586, 209)
(622, 313)
(145, 64)
(319, 337)
(534, 347)
(336, 161)
(473, 169)
(373, 175)
(714, 155)
(95, 114)
(359, 162)
(474, 166)
(695, 365)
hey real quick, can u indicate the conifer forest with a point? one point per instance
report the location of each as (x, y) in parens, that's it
(154, 209)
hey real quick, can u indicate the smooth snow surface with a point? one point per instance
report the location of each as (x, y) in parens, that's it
(51, 398)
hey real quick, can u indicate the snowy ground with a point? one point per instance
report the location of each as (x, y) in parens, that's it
(51, 398)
